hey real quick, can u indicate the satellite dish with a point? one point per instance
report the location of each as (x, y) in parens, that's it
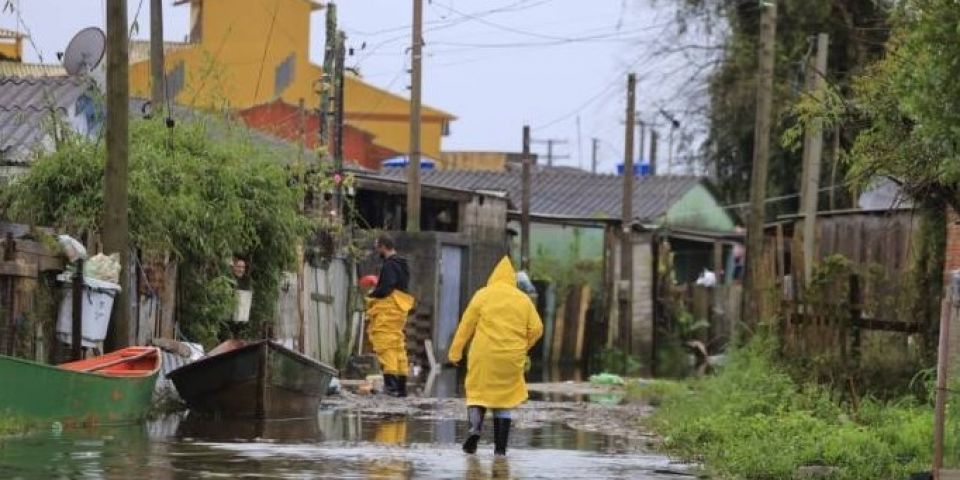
(85, 51)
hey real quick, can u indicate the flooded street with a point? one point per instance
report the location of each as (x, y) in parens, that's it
(352, 437)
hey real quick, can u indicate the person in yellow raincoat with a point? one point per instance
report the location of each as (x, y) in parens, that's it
(388, 306)
(501, 324)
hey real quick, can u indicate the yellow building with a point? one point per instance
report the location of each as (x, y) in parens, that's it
(243, 53)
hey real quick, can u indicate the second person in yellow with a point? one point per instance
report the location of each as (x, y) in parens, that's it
(501, 324)
(388, 306)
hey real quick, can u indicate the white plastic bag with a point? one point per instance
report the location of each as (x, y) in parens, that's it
(103, 267)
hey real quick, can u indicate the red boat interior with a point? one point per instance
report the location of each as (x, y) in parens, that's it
(127, 362)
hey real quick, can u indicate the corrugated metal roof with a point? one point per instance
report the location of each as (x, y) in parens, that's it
(27, 105)
(140, 49)
(20, 69)
(569, 192)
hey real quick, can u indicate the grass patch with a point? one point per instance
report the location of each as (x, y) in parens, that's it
(753, 421)
(654, 392)
(13, 425)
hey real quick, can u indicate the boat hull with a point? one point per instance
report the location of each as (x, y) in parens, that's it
(46, 393)
(258, 380)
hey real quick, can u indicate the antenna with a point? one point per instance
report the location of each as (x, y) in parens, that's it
(85, 51)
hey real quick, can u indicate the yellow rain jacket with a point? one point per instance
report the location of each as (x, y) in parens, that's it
(387, 317)
(503, 325)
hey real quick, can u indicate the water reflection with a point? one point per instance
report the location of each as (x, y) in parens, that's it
(335, 444)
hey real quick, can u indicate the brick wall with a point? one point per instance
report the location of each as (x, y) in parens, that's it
(283, 120)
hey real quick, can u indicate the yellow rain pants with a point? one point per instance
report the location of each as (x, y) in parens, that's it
(501, 324)
(387, 318)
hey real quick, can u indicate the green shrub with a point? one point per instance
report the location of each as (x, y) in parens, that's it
(752, 421)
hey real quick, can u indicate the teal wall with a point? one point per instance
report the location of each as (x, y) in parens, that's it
(699, 210)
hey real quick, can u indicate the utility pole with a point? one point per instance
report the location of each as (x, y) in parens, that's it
(327, 81)
(338, 123)
(550, 142)
(761, 157)
(116, 234)
(812, 160)
(413, 166)
(593, 155)
(158, 85)
(525, 203)
(626, 220)
(653, 152)
(642, 128)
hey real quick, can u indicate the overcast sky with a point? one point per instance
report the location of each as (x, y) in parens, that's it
(495, 64)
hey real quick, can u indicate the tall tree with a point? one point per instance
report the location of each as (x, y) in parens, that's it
(857, 28)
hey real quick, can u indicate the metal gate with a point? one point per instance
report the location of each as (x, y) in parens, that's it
(451, 283)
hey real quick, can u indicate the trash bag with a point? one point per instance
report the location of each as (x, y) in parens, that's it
(73, 249)
(103, 267)
(606, 379)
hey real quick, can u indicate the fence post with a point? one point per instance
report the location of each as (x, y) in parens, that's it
(943, 370)
(856, 315)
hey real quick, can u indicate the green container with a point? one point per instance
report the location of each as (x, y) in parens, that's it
(44, 393)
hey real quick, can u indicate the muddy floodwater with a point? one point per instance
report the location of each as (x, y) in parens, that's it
(352, 437)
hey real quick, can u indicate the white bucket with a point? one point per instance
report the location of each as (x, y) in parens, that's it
(97, 304)
(244, 299)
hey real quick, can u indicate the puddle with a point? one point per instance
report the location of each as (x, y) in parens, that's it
(338, 443)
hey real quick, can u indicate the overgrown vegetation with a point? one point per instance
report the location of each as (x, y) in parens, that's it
(857, 29)
(753, 421)
(11, 425)
(201, 192)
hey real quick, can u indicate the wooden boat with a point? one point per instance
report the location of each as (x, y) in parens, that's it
(114, 388)
(207, 429)
(254, 380)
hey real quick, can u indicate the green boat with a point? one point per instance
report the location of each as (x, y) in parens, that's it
(111, 389)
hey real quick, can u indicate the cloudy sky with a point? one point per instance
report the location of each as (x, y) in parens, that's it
(558, 65)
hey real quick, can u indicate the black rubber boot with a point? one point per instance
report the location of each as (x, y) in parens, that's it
(390, 384)
(501, 435)
(401, 386)
(475, 418)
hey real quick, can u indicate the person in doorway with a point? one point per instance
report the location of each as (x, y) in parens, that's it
(388, 306)
(501, 324)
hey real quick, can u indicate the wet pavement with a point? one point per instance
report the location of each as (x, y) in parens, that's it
(352, 437)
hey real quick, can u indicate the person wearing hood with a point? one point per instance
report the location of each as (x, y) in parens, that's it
(388, 306)
(501, 324)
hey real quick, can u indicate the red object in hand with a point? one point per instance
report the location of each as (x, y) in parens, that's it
(368, 281)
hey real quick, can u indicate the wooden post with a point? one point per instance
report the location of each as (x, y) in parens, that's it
(593, 155)
(116, 234)
(525, 202)
(856, 314)
(338, 124)
(326, 81)
(158, 85)
(626, 220)
(761, 158)
(833, 168)
(951, 303)
(301, 128)
(812, 159)
(654, 137)
(76, 333)
(413, 166)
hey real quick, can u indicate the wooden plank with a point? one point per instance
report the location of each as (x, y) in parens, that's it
(887, 325)
(18, 269)
(945, 474)
(556, 351)
(582, 321)
(781, 253)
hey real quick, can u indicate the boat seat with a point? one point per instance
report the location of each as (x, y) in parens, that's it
(123, 373)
